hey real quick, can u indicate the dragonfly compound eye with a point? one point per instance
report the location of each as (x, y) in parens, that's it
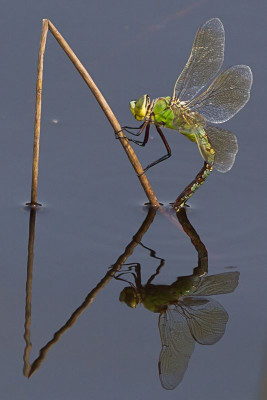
(132, 107)
(129, 296)
(139, 107)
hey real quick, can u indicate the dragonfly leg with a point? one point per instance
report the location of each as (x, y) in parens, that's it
(166, 156)
(139, 142)
(126, 129)
(130, 267)
(193, 186)
(144, 142)
(136, 275)
(140, 129)
(121, 279)
(151, 251)
(157, 271)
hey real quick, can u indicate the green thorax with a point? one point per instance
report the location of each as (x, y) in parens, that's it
(162, 113)
(173, 115)
(156, 298)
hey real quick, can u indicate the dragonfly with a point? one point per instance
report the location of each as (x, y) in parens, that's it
(191, 113)
(186, 315)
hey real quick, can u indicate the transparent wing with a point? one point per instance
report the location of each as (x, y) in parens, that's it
(195, 120)
(205, 60)
(206, 319)
(225, 145)
(227, 94)
(217, 284)
(177, 347)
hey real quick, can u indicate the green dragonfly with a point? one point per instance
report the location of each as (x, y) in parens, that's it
(186, 315)
(191, 115)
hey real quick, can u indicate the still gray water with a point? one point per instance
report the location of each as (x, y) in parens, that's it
(93, 345)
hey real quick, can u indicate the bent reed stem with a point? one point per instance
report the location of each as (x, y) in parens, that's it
(47, 25)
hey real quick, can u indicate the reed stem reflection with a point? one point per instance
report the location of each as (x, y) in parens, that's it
(186, 312)
(29, 368)
(27, 333)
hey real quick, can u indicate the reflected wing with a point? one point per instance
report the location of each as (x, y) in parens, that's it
(225, 145)
(206, 319)
(177, 347)
(218, 284)
(205, 60)
(227, 94)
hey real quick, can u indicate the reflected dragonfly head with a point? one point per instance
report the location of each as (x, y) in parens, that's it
(130, 296)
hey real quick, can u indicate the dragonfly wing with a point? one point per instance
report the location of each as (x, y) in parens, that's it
(206, 319)
(225, 145)
(218, 284)
(205, 60)
(227, 94)
(177, 347)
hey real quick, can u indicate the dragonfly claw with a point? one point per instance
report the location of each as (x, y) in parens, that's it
(116, 134)
(142, 173)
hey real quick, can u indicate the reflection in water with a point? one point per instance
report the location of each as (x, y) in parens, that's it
(29, 368)
(27, 335)
(185, 316)
(263, 385)
(186, 313)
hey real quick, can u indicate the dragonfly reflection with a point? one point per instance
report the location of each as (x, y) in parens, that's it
(186, 314)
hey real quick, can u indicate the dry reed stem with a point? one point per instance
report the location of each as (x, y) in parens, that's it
(102, 102)
(38, 108)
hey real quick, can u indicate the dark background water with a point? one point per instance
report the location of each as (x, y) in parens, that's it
(93, 202)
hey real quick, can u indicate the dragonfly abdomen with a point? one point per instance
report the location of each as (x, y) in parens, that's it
(193, 186)
(205, 148)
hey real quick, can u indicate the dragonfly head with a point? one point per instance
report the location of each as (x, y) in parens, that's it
(130, 296)
(139, 107)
